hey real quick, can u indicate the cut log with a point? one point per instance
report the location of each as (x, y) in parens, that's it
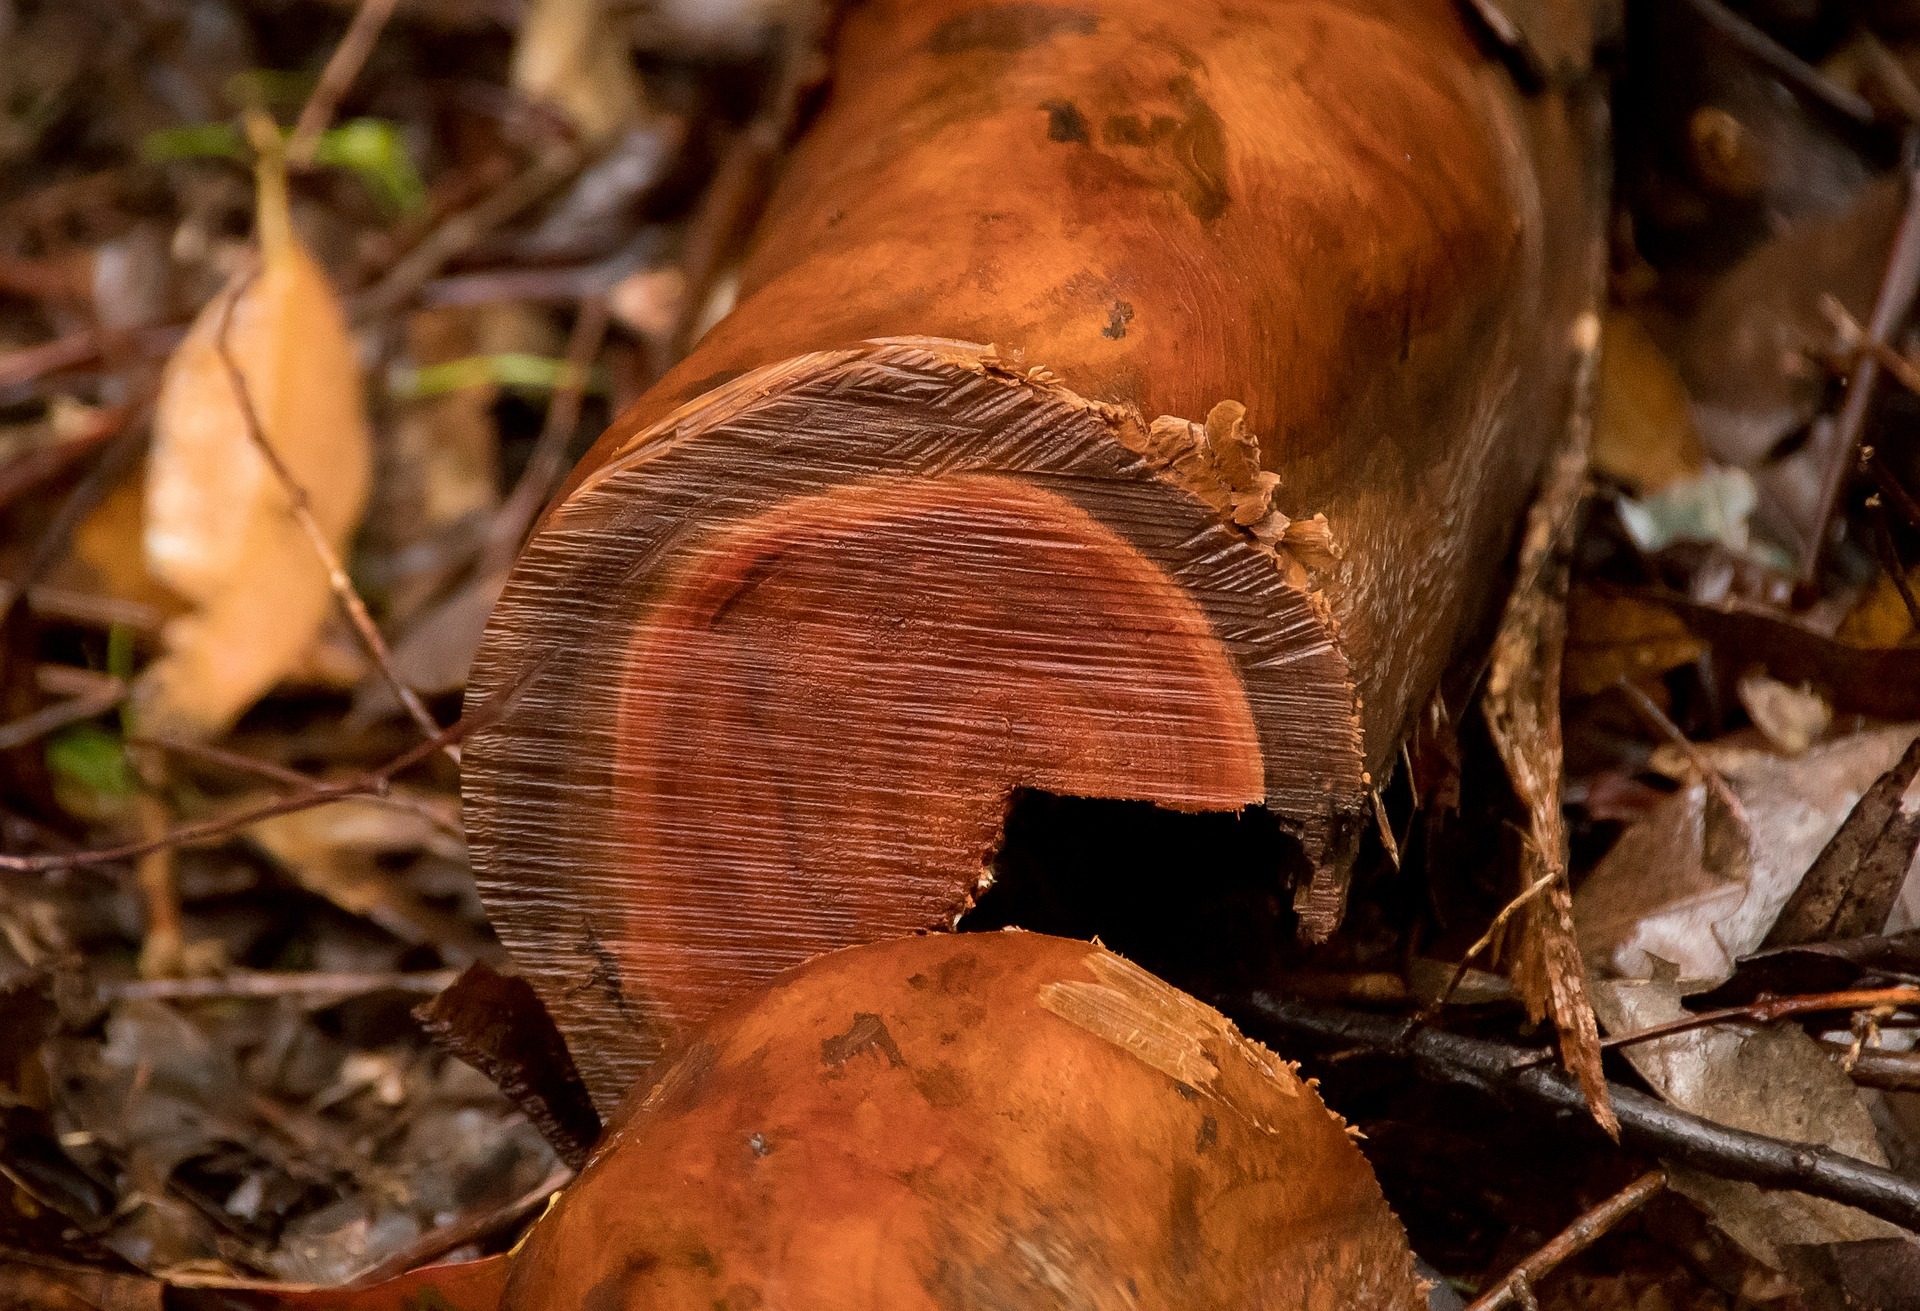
(982, 1120)
(1285, 301)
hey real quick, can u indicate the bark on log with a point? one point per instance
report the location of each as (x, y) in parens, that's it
(982, 1120)
(1284, 300)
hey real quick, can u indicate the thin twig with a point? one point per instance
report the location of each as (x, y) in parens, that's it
(1890, 485)
(549, 458)
(1878, 1067)
(240, 763)
(372, 783)
(1841, 443)
(1521, 1077)
(92, 488)
(1663, 723)
(1903, 371)
(1890, 550)
(1854, 339)
(436, 1243)
(163, 951)
(1571, 1241)
(463, 230)
(19, 732)
(337, 579)
(29, 364)
(267, 984)
(1486, 940)
(1782, 62)
(1767, 1010)
(68, 605)
(342, 67)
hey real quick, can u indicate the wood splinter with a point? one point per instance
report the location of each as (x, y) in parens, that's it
(1284, 303)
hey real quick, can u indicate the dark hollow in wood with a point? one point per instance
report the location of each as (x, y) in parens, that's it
(1285, 301)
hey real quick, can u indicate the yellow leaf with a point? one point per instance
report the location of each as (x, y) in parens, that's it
(1879, 617)
(573, 56)
(1643, 433)
(1611, 638)
(220, 528)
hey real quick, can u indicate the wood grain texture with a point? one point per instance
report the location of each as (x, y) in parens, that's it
(971, 1121)
(1282, 299)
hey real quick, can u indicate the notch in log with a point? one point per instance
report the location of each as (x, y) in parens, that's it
(1283, 302)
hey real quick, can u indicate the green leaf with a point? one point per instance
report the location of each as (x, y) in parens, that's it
(88, 757)
(514, 369)
(120, 665)
(269, 88)
(371, 148)
(193, 141)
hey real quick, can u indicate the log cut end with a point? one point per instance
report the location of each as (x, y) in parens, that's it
(986, 1120)
(798, 644)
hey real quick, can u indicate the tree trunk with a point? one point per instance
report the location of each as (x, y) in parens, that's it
(1283, 302)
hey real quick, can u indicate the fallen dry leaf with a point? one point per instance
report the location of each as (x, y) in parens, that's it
(1774, 1081)
(1859, 874)
(1698, 885)
(1792, 718)
(498, 1025)
(1880, 616)
(1874, 680)
(220, 530)
(343, 851)
(1614, 637)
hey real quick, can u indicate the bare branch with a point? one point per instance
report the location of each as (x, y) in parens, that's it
(1524, 1077)
(337, 579)
(342, 67)
(1767, 1010)
(372, 783)
(1571, 1241)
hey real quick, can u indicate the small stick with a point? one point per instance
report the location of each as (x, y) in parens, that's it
(436, 1243)
(163, 951)
(19, 732)
(267, 984)
(92, 488)
(1890, 558)
(1878, 1067)
(342, 67)
(1891, 307)
(463, 230)
(373, 783)
(1782, 62)
(1653, 714)
(1890, 486)
(1486, 940)
(1522, 1076)
(71, 606)
(1571, 1241)
(1903, 371)
(244, 764)
(342, 585)
(1766, 1010)
(549, 458)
